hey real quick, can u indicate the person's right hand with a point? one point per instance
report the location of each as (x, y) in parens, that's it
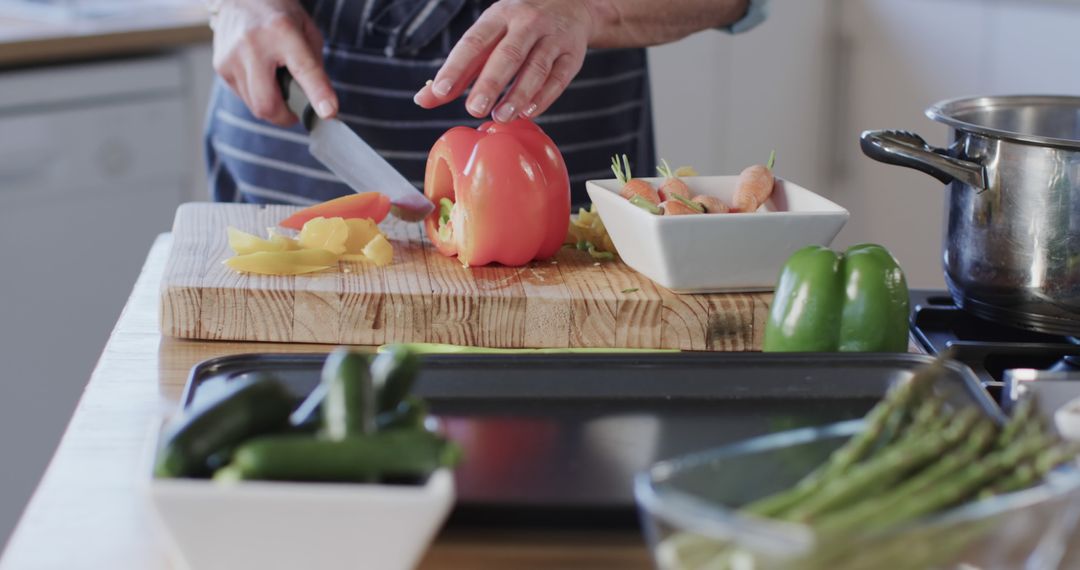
(252, 38)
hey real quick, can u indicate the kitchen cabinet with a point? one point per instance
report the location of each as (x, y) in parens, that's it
(94, 159)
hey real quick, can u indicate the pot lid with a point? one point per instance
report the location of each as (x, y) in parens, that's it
(1049, 120)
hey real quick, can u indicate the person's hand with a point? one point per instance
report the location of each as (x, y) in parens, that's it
(538, 44)
(252, 38)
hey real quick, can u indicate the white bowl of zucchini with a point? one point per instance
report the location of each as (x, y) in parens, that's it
(352, 477)
(916, 484)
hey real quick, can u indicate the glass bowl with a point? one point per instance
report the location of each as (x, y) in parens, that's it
(689, 505)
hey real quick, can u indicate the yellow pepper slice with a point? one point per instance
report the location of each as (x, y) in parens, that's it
(589, 228)
(285, 242)
(283, 262)
(329, 234)
(361, 232)
(244, 243)
(379, 251)
(321, 244)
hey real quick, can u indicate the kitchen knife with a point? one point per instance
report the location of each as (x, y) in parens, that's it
(342, 151)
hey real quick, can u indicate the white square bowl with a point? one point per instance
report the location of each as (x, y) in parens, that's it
(714, 253)
(267, 525)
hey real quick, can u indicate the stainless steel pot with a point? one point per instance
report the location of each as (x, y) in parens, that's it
(1012, 244)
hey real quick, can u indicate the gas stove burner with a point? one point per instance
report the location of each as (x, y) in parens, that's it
(988, 348)
(991, 360)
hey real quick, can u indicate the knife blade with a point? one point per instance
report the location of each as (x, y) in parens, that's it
(345, 154)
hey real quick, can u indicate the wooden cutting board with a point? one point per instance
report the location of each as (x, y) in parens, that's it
(423, 296)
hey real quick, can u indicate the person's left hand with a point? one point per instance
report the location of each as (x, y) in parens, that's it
(538, 44)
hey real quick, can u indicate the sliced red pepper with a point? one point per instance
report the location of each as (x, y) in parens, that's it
(509, 189)
(371, 205)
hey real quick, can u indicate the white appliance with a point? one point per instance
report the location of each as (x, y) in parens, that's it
(94, 159)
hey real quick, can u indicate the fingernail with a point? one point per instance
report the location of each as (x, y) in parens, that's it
(505, 113)
(442, 87)
(416, 98)
(479, 105)
(324, 108)
(530, 110)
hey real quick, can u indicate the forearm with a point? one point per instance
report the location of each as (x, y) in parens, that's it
(641, 23)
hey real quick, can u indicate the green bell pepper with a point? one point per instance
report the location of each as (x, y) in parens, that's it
(825, 301)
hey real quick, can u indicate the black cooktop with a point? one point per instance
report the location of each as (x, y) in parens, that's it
(989, 348)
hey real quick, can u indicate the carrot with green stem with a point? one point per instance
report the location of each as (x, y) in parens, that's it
(712, 204)
(633, 186)
(672, 184)
(755, 185)
(676, 205)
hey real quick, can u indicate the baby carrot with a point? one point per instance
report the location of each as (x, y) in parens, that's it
(676, 207)
(633, 186)
(754, 186)
(672, 184)
(712, 204)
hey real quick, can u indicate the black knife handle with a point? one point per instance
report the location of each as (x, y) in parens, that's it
(295, 99)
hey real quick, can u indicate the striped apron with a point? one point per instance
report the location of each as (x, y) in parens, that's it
(378, 53)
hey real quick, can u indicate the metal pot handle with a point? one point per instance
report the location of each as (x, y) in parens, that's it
(904, 148)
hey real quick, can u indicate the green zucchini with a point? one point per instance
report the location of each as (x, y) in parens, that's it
(393, 453)
(349, 407)
(393, 372)
(250, 407)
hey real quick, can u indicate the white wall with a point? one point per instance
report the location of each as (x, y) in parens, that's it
(722, 102)
(819, 72)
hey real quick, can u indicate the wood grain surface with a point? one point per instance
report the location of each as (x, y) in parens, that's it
(423, 296)
(91, 501)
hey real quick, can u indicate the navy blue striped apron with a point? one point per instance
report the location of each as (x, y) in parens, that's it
(378, 53)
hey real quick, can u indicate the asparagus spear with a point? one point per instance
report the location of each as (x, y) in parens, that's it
(962, 484)
(909, 550)
(904, 421)
(848, 520)
(1033, 471)
(927, 414)
(916, 549)
(1022, 413)
(890, 429)
(928, 418)
(1021, 477)
(891, 466)
(1030, 442)
(898, 398)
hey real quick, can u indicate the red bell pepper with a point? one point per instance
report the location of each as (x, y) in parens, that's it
(503, 192)
(371, 205)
